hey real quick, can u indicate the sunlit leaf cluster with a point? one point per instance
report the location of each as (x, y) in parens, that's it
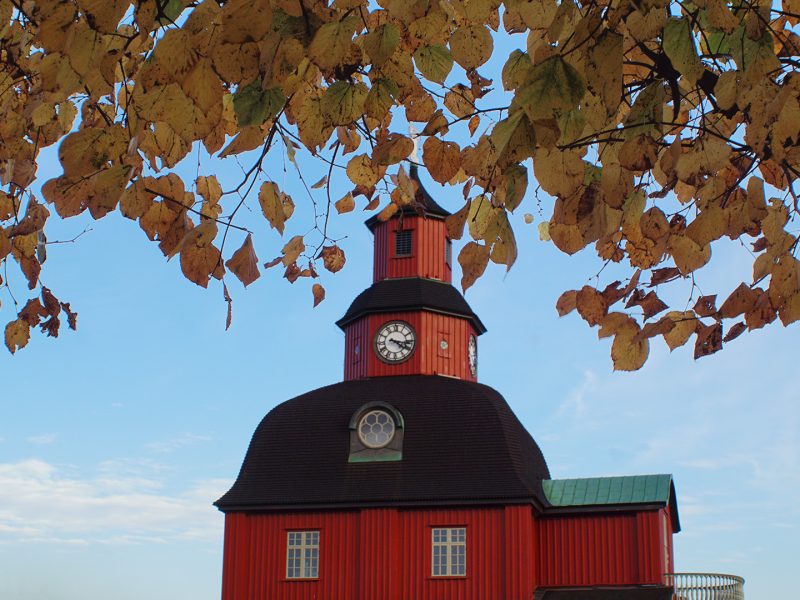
(658, 128)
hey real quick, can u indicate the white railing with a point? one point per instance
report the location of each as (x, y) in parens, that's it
(706, 586)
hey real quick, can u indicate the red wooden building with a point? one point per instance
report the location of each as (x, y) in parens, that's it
(410, 480)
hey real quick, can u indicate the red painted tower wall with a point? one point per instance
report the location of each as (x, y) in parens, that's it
(428, 253)
(429, 357)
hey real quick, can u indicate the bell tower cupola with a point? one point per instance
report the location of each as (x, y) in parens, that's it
(411, 320)
(414, 242)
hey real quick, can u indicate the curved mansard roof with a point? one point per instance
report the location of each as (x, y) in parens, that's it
(462, 445)
(411, 293)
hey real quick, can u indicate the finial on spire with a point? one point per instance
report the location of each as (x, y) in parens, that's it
(415, 138)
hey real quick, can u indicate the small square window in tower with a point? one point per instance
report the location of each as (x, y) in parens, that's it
(403, 243)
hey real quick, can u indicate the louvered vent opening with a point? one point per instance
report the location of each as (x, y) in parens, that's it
(402, 243)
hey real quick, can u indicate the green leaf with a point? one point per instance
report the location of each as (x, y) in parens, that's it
(516, 70)
(170, 11)
(679, 47)
(381, 43)
(381, 98)
(343, 102)
(434, 62)
(646, 111)
(253, 105)
(502, 132)
(554, 86)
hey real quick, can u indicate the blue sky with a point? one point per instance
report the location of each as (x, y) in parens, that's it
(116, 439)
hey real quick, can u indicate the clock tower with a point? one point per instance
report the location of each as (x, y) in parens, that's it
(411, 320)
(411, 480)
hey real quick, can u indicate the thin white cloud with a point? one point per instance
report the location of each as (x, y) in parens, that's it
(177, 442)
(575, 404)
(42, 439)
(39, 502)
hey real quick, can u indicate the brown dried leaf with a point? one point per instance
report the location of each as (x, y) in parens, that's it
(333, 258)
(591, 305)
(455, 222)
(741, 300)
(17, 335)
(706, 306)
(650, 303)
(244, 262)
(567, 302)
(319, 293)
(735, 331)
(709, 340)
(473, 259)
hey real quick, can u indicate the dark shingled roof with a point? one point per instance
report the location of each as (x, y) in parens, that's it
(411, 293)
(423, 204)
(462, 445)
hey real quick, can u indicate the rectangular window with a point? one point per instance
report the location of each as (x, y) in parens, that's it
(402, 243)
(448, 253)
(449, 552)
(302, 555)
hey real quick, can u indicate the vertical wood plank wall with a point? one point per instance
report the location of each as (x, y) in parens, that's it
(428, 358)
(385, 554)
(378, 554)
(608, 549)
(428, 250)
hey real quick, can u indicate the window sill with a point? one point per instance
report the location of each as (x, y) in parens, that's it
(299, 579)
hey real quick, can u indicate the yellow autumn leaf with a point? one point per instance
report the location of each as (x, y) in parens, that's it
(271, 200)
(345, 204)
(471, 45)
(332, 42)
(362, 172)
(442, 159)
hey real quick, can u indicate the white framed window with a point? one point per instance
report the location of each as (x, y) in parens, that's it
(302, 555)
(449, 551)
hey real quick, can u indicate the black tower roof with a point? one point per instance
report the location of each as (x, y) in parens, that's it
(462, 445)
(423, 204)
(411, 293)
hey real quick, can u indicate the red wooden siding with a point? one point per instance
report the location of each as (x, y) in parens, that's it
(427, 359)
(380, 554)
(254, 566)
(607, 549)
(427, 255)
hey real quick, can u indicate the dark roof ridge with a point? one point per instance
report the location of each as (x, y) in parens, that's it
(411, 293)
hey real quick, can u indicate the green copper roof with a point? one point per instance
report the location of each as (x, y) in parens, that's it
(593, 491)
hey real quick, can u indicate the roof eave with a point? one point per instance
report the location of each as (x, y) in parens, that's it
(224, 507)
(480, 328)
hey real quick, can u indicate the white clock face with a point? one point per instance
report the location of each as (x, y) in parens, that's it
(472, 353)
(395, 341)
